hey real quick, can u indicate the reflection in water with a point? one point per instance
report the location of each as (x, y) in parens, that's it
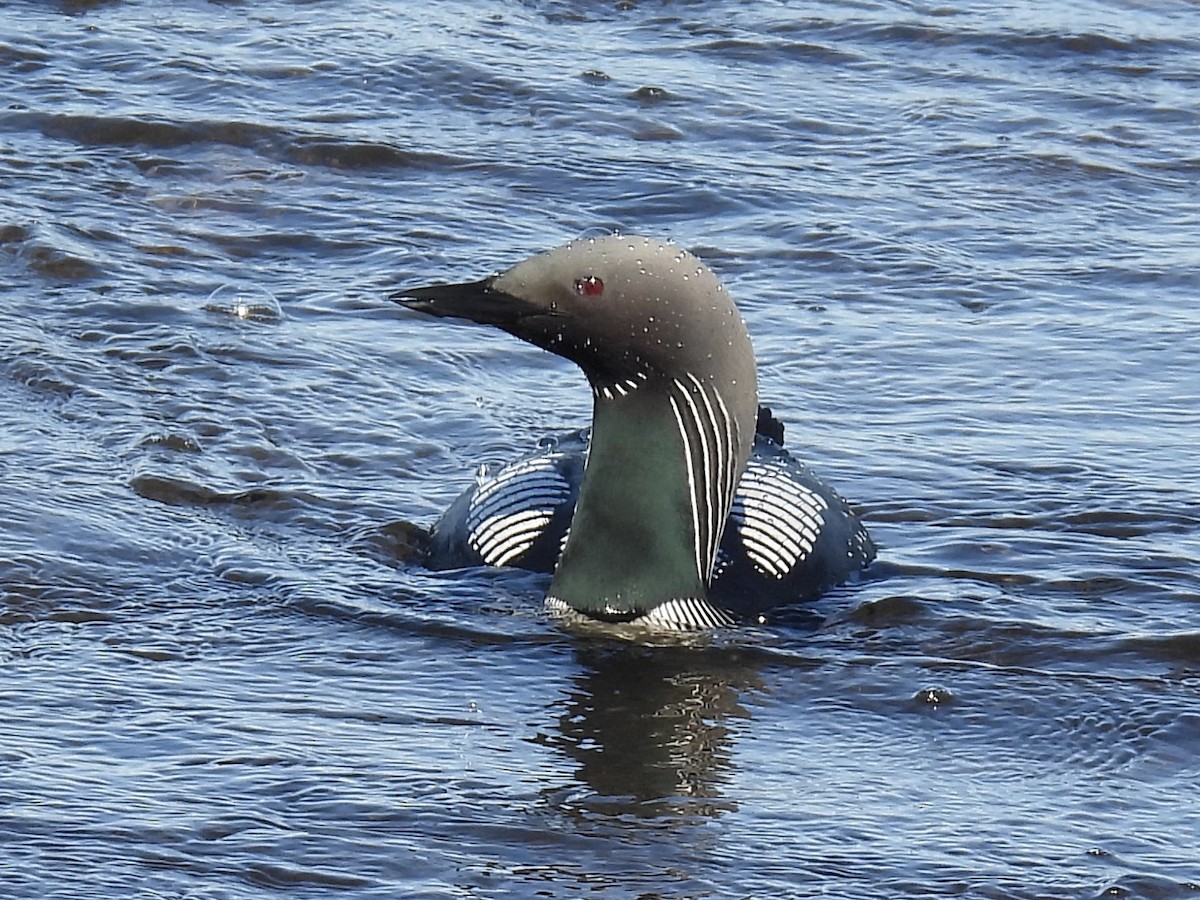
(651, 726)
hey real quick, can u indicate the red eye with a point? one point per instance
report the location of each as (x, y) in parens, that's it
(589, 287)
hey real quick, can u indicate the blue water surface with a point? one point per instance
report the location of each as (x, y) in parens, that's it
(965, 240)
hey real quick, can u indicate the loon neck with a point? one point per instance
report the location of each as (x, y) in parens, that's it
(664, 461)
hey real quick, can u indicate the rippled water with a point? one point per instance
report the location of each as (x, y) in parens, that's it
(965, 241)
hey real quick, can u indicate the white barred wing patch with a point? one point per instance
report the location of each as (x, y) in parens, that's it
(710, 438)
(683, 614)
(777, 517)
(510, 510)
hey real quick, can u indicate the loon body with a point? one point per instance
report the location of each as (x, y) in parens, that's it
(679, 508)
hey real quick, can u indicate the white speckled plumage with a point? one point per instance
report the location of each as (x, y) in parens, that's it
(675, 515)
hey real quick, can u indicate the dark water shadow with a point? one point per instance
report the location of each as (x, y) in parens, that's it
(653, 729)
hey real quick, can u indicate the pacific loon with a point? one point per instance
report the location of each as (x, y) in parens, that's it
(680, 509)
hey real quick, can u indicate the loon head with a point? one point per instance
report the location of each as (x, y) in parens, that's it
(621, 308)
(672, 370)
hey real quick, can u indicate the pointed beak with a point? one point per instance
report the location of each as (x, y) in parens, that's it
(474, 300)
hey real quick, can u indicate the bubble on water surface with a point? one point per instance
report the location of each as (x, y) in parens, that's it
(249, 302)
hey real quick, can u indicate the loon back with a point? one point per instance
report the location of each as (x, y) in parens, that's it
(675, 406)
(789, 536)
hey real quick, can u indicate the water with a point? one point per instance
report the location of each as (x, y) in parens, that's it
(965, 240)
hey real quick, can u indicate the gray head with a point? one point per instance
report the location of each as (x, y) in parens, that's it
(622, 308)
(672, 371)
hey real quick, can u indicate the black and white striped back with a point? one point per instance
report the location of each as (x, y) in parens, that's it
(788, 537)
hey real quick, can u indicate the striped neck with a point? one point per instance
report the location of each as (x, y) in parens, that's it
(664, 461)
